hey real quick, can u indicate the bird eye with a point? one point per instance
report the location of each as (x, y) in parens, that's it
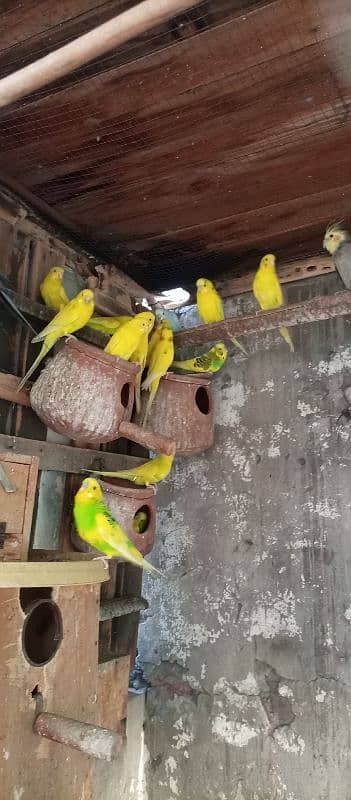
(331, 235)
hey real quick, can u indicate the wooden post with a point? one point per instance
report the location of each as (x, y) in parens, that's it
(106, 37)
(89, 739)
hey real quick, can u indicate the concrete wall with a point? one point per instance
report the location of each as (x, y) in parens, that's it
(248, 644)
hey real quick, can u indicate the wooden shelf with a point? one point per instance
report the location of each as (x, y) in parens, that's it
(315, 310)
(18, 574)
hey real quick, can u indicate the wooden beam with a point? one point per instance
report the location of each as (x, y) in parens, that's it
(20, 574)
(100, 40)
(288, 273)
(8, 390)
(315, 310)
(63, 458)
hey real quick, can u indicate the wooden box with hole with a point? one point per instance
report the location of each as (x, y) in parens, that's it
(183, 410)
(18, 483)
(135, 510)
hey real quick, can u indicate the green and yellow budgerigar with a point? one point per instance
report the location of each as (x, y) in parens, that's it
(147, 474)
(140, 522)
(161, 359)
(212, 361)
(96, 526)
(71, 318)
(108, 325)
(139, 356)
(210, 307)
(127, 338)
(268, 291)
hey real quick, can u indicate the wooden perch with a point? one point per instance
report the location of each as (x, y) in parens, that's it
(315, 310)
(106, 37)
(149, 439)
(89, 739)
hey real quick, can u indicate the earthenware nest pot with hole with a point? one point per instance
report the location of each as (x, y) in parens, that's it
(84, 393)
(183, 410)
(124, 501)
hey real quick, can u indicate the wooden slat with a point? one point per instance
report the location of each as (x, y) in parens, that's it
(65, 573)
(315, 310)
(63, 458)
(8, 390)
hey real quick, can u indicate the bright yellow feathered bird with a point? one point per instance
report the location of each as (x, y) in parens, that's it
(268, 291)
(139, 356)
(127, 338)
(147, 474)
(210, 308)
(108, 325)
(96, 525)
(52, 291)
(71, 318)
(160, 361)
(155, 337)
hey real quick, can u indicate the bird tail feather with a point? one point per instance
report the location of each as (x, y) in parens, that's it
(239, 345)
(122, 474)
(148, 407)
(44, 350)
(286, 336)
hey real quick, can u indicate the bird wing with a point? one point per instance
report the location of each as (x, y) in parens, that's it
(68, 317)
(342, 261)
(72, 283)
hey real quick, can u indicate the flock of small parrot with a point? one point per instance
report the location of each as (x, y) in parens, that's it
(151, 346)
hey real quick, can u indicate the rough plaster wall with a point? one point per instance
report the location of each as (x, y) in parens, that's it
(248, 646)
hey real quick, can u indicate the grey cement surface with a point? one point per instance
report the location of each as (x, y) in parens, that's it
(248, 645)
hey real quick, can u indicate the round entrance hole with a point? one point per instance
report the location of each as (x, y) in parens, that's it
(202, 400)
(42, 632)
(125, 394)
(141, 520)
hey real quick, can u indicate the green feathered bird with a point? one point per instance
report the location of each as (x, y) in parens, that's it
(211, 361)
(100, 530)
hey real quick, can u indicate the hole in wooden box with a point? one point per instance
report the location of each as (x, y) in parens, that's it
(42, 632)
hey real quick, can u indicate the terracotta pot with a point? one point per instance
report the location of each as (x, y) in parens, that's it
(124, 501)
(84, 393)
(183, 410)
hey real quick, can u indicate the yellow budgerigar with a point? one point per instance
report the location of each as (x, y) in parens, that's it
(52, 291)
(140, 522)
(127, 338)
(108, 325)
(155, 337)
(147, 474)
(268, 291)
(96, 526)
(160, 361)
(210, 307)
(71, 318)
(139, 356)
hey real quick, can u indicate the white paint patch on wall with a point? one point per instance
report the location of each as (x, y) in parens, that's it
(305, 409)
(236, 733)
(285, 691)
(233, 398)
(289, 741)
(184, 737)
(274, 616)
(338, 363)
(248, 685)
(324, 508)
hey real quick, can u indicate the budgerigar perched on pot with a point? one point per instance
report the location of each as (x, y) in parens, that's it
(126, 339)
(147, 474)
(160, 362)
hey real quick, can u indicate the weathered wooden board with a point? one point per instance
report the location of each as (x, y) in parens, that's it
(63, 458)
(30, 765)
(16, 508)
(113, 678)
